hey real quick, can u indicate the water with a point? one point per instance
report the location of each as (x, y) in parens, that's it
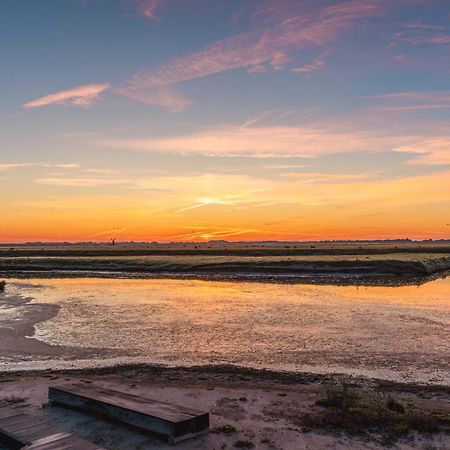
(400, 333)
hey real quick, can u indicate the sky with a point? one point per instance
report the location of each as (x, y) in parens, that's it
(197, 120)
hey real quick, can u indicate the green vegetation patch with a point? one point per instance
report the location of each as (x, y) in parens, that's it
(361, 413)
(242, 443)
(224, 429)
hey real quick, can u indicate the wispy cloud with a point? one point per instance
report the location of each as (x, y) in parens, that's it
(423, 26)
(411, 101)
(414, 95)
(83, 96)
(270, 44)
(146, 8)
(82, 182)
(420, 33)
(263, 141)
(308, 141)
(227, 200)
(11, 166)
(157, 94)
(112, 232)
(5, 167)
(435, 151)
(323, 178)
(307, 69)
(209, 233)
(208, 201)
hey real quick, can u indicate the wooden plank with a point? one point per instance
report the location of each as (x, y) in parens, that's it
(17, 418)
(38, 432)
(8, 412)
(6, 437)
(50, 438)
(17, 422)
(18, 430)
(63, 442)
(173, 413)
(173, 421)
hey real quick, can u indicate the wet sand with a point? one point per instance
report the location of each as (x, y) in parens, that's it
(264, 406)
(19, 316)
(399, 333)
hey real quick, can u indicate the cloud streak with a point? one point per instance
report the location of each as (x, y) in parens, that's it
(311, 141)
(272, 44)
(81, 182)
(83, 96)
(262, 141)
(412, 101)
(147, 8)
(307, 69)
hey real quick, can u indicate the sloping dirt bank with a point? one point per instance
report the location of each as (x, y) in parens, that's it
(342, 267)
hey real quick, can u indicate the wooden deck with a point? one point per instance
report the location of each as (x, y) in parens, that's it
(23, 431)
(174, 422)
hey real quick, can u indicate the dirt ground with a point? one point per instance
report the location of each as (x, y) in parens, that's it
(264, 411)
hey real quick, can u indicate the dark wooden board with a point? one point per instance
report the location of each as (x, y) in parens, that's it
(166, 411)
(19, 430)
(173, 421)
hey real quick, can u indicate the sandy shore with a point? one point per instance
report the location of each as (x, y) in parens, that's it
(19, 325)
(264, 408)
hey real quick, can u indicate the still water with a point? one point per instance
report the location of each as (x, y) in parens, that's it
(400, 333)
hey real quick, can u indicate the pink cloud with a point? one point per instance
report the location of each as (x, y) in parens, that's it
(415, 95)
(423, 26)
(159, 95)
(400, 58)
(83, 96)
(317, 64)
(293, 30)
(417, 34)
(435, 151)
(412, 101)
(264, 141)
(146, 8)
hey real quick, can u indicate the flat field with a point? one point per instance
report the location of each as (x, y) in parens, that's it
(306, 261)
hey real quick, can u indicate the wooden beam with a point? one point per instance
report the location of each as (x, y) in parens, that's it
(175, 422)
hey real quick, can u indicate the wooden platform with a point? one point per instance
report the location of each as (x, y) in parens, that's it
(23, 431)
(174, 422)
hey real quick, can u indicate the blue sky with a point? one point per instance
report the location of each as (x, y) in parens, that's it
(188, 113)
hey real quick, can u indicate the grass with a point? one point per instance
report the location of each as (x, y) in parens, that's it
(360, 413)
(393, 263)
(224, 429)
(13, 400)
(243, 443)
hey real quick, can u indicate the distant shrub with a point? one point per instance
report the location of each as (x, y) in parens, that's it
(362, 413)
(241, 443)
(224, 429)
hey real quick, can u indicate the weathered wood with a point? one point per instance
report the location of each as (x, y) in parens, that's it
(22, 431)
(175, 422)
(55, 441)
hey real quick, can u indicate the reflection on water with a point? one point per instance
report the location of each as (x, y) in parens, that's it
(401, 332)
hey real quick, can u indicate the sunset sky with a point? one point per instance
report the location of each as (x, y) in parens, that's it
(177, 120)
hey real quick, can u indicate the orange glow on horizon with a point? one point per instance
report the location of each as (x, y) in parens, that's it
(236, 208)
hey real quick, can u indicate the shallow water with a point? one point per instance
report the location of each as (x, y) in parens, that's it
(400, 333)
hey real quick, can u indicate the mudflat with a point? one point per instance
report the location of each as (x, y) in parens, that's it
(316, 263)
